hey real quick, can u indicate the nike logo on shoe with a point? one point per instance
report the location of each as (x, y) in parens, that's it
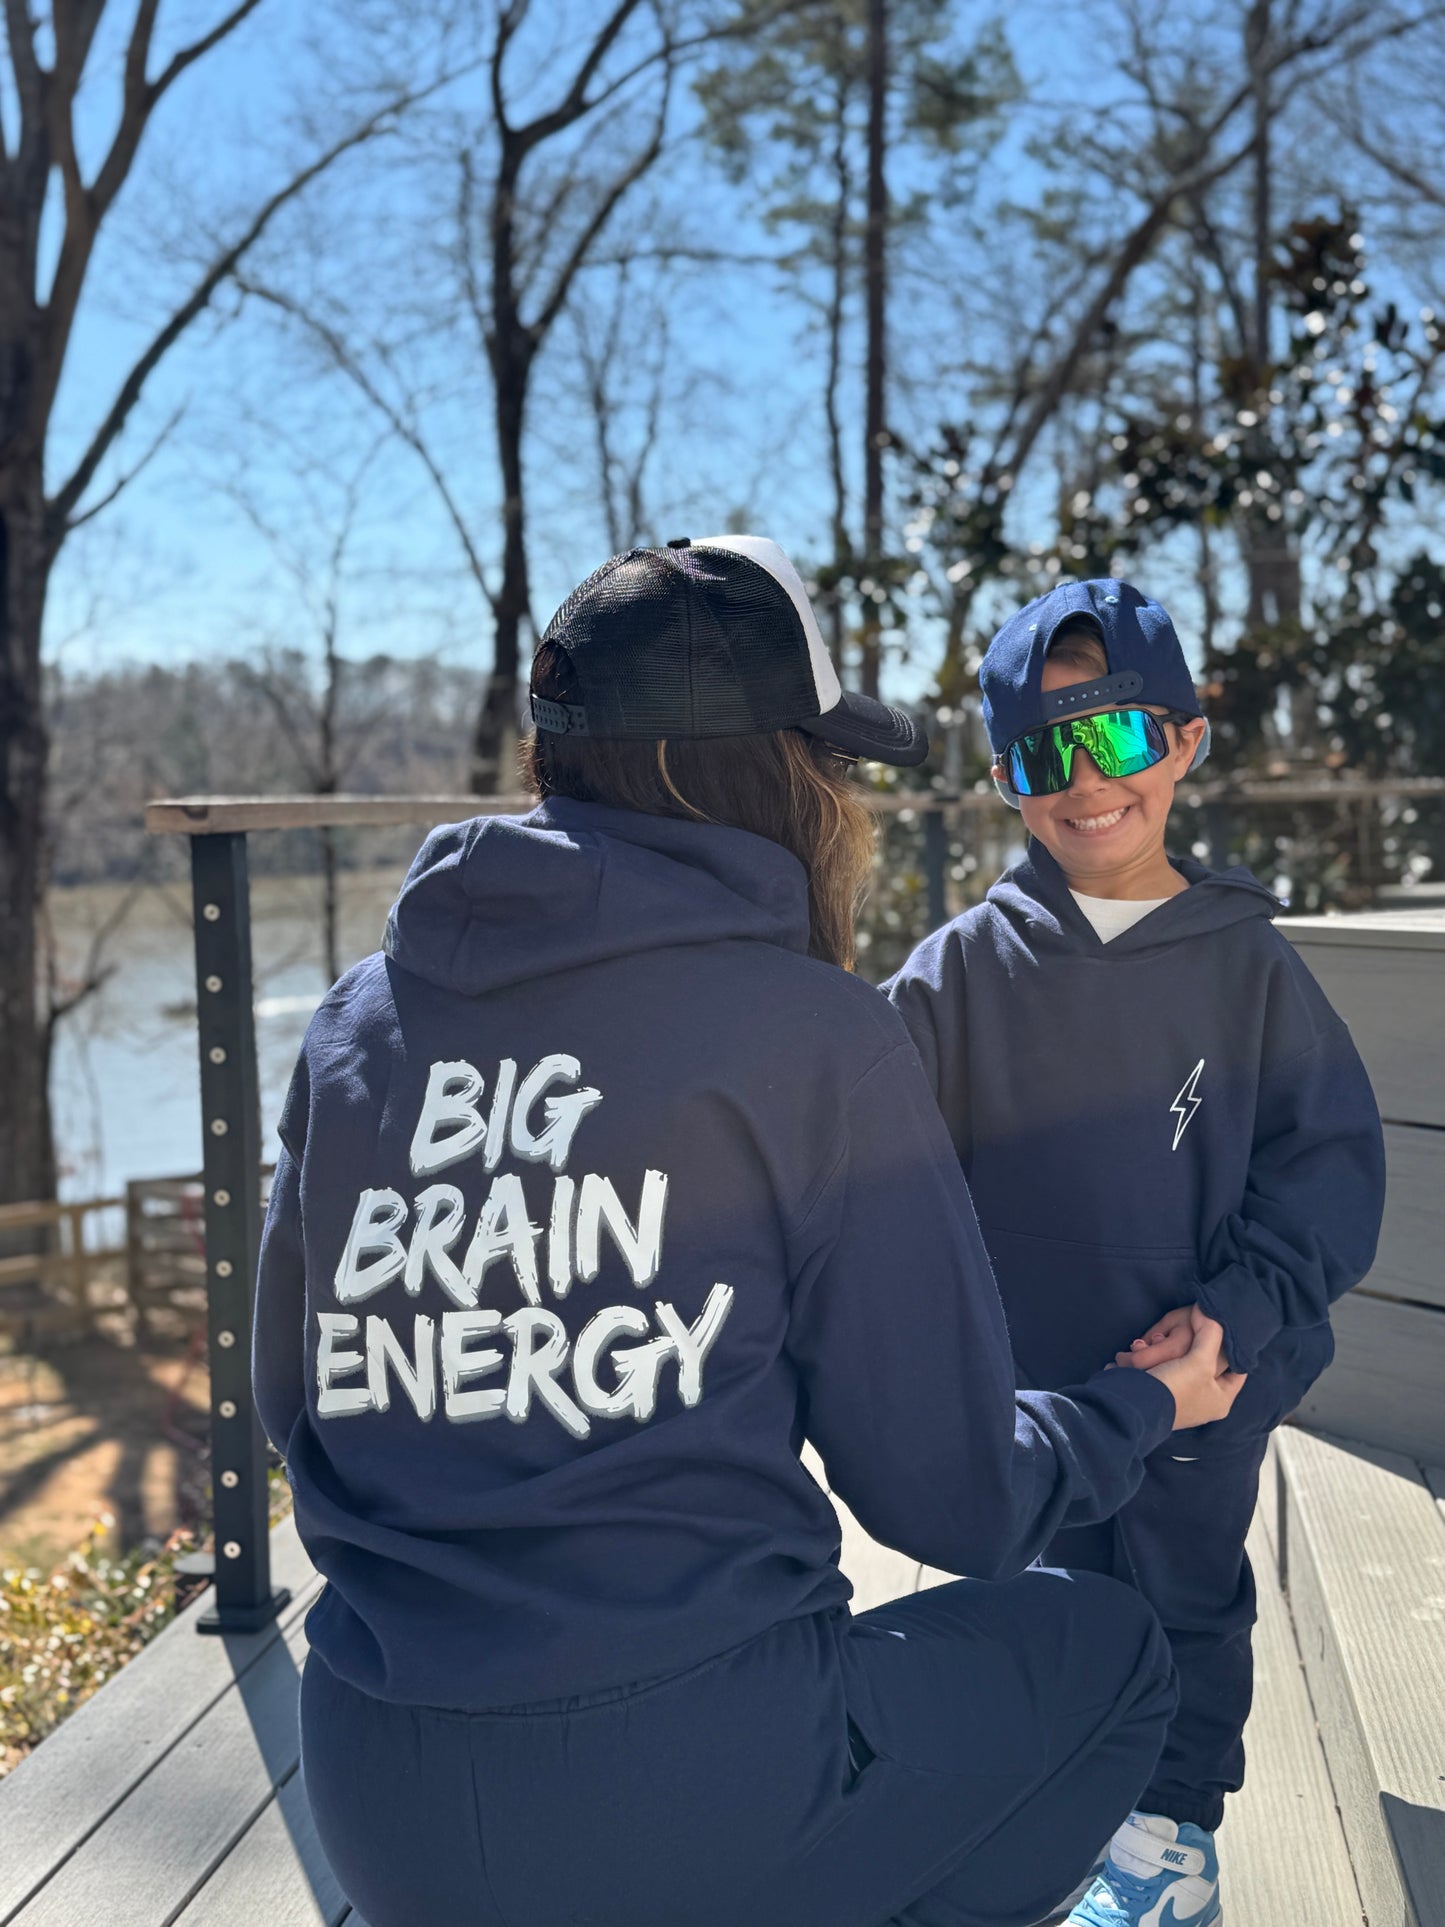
(1157, 1917)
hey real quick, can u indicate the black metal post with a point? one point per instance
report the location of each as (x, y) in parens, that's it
(935, 861)
(231, 1129)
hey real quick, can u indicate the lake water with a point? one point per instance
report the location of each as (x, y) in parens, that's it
(126, 1086)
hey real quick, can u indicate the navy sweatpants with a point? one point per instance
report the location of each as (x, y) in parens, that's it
(955, 1759)
(1180, 1542)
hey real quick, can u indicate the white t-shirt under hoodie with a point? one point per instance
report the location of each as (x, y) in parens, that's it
(1112, 916)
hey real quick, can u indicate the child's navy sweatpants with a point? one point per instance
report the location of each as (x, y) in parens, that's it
(1180, 1541)
(954, 1759)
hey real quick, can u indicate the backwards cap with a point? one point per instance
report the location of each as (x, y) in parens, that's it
(1145, 660)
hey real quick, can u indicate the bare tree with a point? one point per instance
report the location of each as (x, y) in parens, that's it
(614, 101)
(322, 738)
(39, 303)
(875, 280)
(535, 197)
(625, 341)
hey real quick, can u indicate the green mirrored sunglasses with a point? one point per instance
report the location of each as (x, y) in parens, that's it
(1121, 742)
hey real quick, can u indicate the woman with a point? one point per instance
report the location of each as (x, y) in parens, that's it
(603, 1188)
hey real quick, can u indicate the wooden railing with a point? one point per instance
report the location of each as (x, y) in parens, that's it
(49, 1288)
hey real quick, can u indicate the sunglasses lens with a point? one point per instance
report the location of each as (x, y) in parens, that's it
(1122, 742)
(1041, 763)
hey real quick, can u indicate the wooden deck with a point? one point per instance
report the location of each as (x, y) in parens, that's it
(175, 1796)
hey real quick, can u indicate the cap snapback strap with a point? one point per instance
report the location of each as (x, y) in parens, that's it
(559, 719)
(1088, 695)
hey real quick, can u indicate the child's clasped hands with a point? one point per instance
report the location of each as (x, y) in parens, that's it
(1169, 1337)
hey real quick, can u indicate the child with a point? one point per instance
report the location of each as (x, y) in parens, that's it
(1155, 1108)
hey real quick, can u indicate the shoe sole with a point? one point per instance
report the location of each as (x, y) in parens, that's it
(1066, 1907)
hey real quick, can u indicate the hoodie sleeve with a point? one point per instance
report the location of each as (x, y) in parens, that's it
(278, 1345)
(1307, 1228)
(899, 1338)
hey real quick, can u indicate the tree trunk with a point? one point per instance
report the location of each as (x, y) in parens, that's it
(494, 746)
(875, 272)
(1271, 558)
(27, 1165)
(838, 269)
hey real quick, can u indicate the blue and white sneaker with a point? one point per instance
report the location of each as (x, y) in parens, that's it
(1155, 1874)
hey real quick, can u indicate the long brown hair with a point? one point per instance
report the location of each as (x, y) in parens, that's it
(785, 785)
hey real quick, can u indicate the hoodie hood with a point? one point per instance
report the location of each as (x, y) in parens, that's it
(1035, 897)
(505, 899)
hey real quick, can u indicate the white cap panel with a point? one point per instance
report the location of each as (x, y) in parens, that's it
(766, 553)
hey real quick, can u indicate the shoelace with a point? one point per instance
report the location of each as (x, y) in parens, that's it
(1124, 1891)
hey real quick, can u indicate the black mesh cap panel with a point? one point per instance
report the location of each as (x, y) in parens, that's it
(686, 643)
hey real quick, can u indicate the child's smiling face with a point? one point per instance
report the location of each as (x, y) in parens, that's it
(1107, 832)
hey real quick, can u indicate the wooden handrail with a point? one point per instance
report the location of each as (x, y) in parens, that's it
(227, 815)
(25, 1216)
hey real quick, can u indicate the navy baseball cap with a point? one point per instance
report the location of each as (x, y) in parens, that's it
(1145, 658)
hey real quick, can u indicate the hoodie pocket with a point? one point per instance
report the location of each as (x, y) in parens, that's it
(1070, 1306)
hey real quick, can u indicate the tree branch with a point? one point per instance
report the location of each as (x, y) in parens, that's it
(119, 487)
(574, 103)
(63, 504)
(575, 108)
(1136, 246)
(281, 703)
(471, 287)
(96, 972)
(198, 49)
(1392, 165)
(348, 364)
(137, 100)
(602, 214)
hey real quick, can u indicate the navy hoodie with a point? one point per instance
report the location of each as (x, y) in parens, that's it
(597, 1197)
(1175, 1116)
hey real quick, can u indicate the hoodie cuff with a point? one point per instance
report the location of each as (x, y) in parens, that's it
(1144, 1401)
(1237, 1300)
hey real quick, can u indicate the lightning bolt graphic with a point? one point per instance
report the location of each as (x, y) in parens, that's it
(1186, 1096)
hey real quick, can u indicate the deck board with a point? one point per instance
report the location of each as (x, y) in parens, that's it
(152, 1855)
(55, 1800)
(1367, 1590)
(275, 1873)
(1282, 1850)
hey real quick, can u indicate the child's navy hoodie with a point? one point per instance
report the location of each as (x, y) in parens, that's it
(1176, 1116)
(597, 1197)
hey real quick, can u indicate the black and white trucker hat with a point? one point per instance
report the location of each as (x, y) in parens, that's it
(708, 638)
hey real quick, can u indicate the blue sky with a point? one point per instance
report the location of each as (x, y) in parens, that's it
(175, 569)
(178, 569)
